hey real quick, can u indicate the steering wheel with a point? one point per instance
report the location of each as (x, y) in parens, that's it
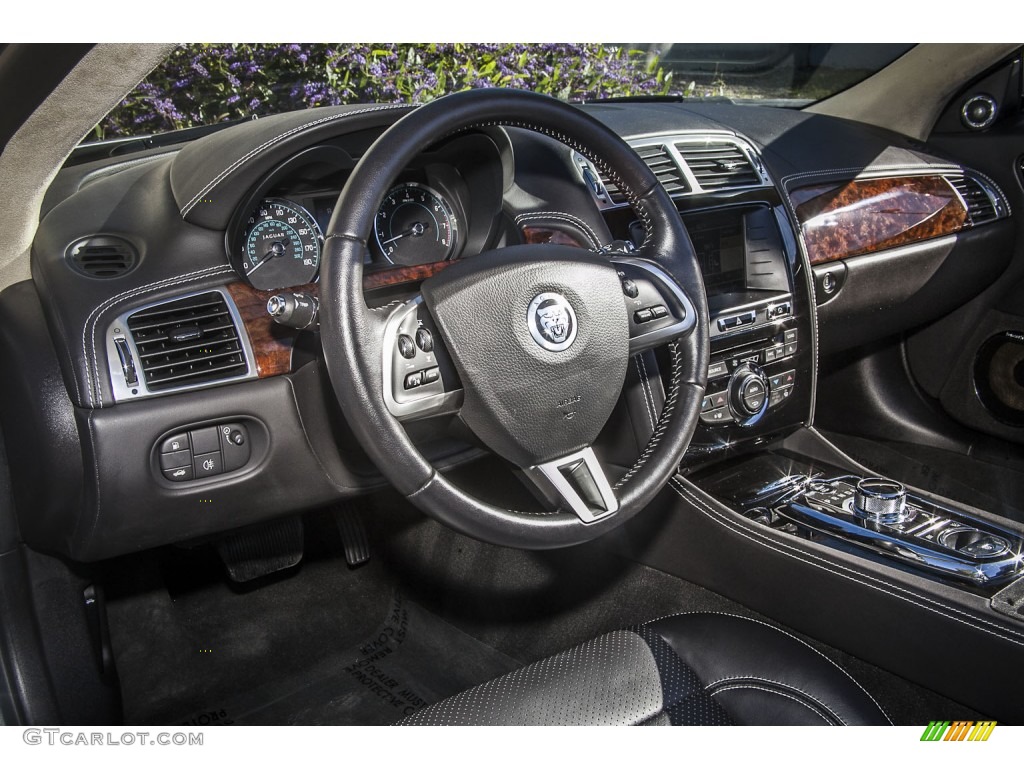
(530, 343)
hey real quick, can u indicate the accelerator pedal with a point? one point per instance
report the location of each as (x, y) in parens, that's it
(349, 521)
(261, 550)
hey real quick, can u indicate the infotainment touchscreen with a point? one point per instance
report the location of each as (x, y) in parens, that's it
(720, 245)
(740, 250)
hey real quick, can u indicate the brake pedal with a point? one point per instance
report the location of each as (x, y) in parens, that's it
(262, 549)
(349, 521)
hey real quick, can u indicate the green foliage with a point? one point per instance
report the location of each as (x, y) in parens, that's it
(205, 83)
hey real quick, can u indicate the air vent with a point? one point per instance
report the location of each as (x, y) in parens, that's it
(102, 256)
(719, 165)
(187, 342)
(661, 163)
(980, 208)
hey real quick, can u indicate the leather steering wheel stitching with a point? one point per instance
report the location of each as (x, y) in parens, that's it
(493, 282)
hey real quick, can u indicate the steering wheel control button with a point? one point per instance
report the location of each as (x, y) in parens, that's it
(425, 340)
(176, 459)
(659, 311)
(414, 380)
(431, 375)
(178, 475)
(643, 315)
(208, 464)
(552, 321)
(205, 440)
(406, 348)
(880, 500)
(629, 288)
(175, 443)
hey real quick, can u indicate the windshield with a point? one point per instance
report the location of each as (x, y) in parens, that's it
(203, 84)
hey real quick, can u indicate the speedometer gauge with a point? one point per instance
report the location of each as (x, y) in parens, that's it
(415, 225)
(282, 245)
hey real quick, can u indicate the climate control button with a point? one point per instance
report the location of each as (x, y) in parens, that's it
(748, 393)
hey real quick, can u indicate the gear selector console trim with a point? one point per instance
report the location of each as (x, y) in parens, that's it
(871, 513)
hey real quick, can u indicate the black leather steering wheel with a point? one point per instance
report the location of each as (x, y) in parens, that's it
(538, 337)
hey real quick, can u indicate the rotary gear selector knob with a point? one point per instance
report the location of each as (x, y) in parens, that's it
(880, 500)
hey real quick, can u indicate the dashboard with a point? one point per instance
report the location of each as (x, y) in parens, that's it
(166, 382)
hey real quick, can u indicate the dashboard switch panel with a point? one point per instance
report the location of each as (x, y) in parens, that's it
(204, 452)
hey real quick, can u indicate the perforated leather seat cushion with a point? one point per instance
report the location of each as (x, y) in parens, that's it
(691, 669)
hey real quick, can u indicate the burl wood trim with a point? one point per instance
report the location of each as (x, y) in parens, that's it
(399, 275)
(542, 235)
(271, 343)
(851, 218)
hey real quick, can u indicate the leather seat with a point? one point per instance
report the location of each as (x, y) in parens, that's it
(690, 669)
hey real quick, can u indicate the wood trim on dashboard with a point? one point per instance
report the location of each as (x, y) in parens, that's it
(272, 344)
(843, 219)
(399, 275)
(542, 235)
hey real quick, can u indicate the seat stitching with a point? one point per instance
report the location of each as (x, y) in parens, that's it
(778, 683)
(777, 693)
(852, 575)
(791, 636)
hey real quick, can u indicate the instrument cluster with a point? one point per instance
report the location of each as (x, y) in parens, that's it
(444, 207)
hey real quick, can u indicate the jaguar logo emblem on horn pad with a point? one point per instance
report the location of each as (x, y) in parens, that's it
(552, 321)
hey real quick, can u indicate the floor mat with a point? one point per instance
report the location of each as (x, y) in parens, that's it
(327, 646)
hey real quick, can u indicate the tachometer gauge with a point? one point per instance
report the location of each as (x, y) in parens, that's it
(415, 225)
(282, 245)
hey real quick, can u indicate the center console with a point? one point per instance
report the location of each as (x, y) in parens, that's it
(874, 516)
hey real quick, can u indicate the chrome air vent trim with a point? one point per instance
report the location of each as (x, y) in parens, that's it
(983, 201)
(119, 338)
(667, 156)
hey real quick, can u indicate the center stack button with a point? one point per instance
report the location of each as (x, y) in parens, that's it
(748, 394)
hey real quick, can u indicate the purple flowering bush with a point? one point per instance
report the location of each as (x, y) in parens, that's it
(208, 83)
